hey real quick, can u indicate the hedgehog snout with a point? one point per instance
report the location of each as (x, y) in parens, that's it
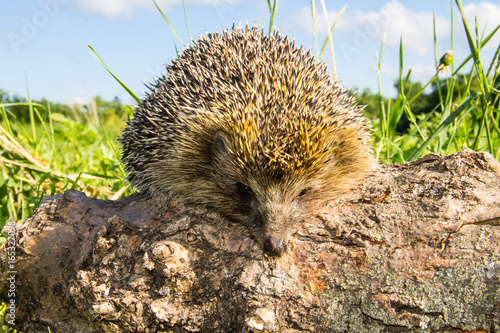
(275, 246)
(280, 218)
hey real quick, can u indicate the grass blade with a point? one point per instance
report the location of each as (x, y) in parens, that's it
(187, 22)
(325, 43)
(465, 104)
(472, 46)
(31, 112)
(483, 43)
(330, 40)
(169, 24)
(313, 14)
(130, 92)
(272, 10)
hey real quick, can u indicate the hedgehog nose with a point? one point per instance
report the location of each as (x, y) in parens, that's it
(275, 247)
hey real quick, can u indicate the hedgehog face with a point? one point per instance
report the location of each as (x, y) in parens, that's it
(271, 204)
(271, 212)
(274, 213)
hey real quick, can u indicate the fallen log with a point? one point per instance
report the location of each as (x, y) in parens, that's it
(415, 248)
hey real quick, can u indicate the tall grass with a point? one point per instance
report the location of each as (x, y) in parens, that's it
(461, 119)
(53, 152)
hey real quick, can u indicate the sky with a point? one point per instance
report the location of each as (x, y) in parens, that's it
(44, 43)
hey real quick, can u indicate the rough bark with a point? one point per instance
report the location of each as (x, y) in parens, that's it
(415, 248)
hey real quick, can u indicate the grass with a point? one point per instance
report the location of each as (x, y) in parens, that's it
(467, 118)
(46, 148)
(54, 151)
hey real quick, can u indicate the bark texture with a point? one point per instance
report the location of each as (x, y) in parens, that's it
(415, 248)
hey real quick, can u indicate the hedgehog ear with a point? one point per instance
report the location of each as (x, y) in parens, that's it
(220, 147)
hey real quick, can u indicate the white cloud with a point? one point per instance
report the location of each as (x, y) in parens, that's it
(416, 28)
(388, 70)
(303, 20)
(422, 72)
(488, 15)
(126, 8)
(113, 8)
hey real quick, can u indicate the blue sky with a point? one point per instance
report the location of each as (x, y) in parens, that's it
(46, 40)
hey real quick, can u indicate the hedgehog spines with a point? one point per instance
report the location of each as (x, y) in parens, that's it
(240, 109)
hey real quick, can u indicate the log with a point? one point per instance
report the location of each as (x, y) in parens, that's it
(414, 248)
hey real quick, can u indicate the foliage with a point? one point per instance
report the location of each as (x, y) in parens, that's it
(460, 112)
(47, 148)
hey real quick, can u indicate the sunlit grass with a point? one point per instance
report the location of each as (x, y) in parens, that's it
(52, 152)
(463, 118)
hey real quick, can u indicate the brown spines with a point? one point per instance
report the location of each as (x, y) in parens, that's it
(240, 107)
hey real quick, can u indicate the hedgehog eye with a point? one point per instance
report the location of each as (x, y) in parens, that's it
(303, 192)
(244, 189)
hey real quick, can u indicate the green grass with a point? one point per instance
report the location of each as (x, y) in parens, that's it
(55, 150)
(461, 118)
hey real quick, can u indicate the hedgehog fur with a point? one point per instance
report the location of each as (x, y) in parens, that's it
(252, 127)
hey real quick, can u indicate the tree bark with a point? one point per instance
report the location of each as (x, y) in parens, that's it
(415, 248)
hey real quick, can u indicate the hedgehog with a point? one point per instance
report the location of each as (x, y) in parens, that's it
(249, 126)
